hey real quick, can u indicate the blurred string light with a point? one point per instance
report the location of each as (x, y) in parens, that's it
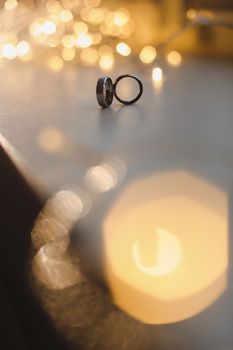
(66, 29)
(78, 30)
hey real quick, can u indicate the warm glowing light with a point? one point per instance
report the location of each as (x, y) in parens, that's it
(96, 38)
(156, 236)
(53, 6)
(106, 61)
(23, 48)
(123, 49)
(191, 14)
(55, 63)
(101, 178)
(36, 28)
(68, 41)
(105, 49)
(168, 254)
(66, 16)
(89, 56)
(148, 54)
(49, 27)
(83, 40)
(68, 54)
(174, 58)
(51, 139)
(11, 4)
(157, 75)
(27, 57)
(121, 17)
(95, 16)
(80, 27)
(9, 51)
(92, 3)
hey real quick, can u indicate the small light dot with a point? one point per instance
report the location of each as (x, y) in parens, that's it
(68, 41)
(89, 56)
(83, 40)
(66, 16)
(68, 54)
(49, 27)
(9, 51)
(23, 48)
(80, 28)
(55, 63)
(191, 14)
(157, 74)
(106, 61)
(123, 49)
(148, 54)
(174, 58)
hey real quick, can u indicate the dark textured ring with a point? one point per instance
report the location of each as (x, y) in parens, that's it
(134, 99)
(105, 90)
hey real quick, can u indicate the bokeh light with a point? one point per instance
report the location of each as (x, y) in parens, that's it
(83, 40)
(11, 4)
(9, 51)
(89, 56)
(55, 63)
(49, 27)
(68, 54)
(148, 54)
(157, 75)
(174, 58)
(106, 61)
(66, 16)
(123, 49)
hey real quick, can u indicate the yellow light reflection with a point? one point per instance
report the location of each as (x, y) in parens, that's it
(159, 262)
(68, 41)
(92, 3)
(23, 48)
(157, 76)
(80, 27)
(55, 63)
(147, 54)
(191, 14)
(36, 28)
(95, 16)
(89, 56)
(9, 51)
(174, 58)
(53, 6)
(11, 4)
(68, 54)
(123, 49)
(49, 27)
(106, 61)
(120, 17)
(66, 16)
(101, 178)
(168, 254)
(83, 40)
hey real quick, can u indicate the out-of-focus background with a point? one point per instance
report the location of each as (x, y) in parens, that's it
(95, 32)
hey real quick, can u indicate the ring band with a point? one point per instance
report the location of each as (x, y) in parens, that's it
(105, 90)
(130, 101)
